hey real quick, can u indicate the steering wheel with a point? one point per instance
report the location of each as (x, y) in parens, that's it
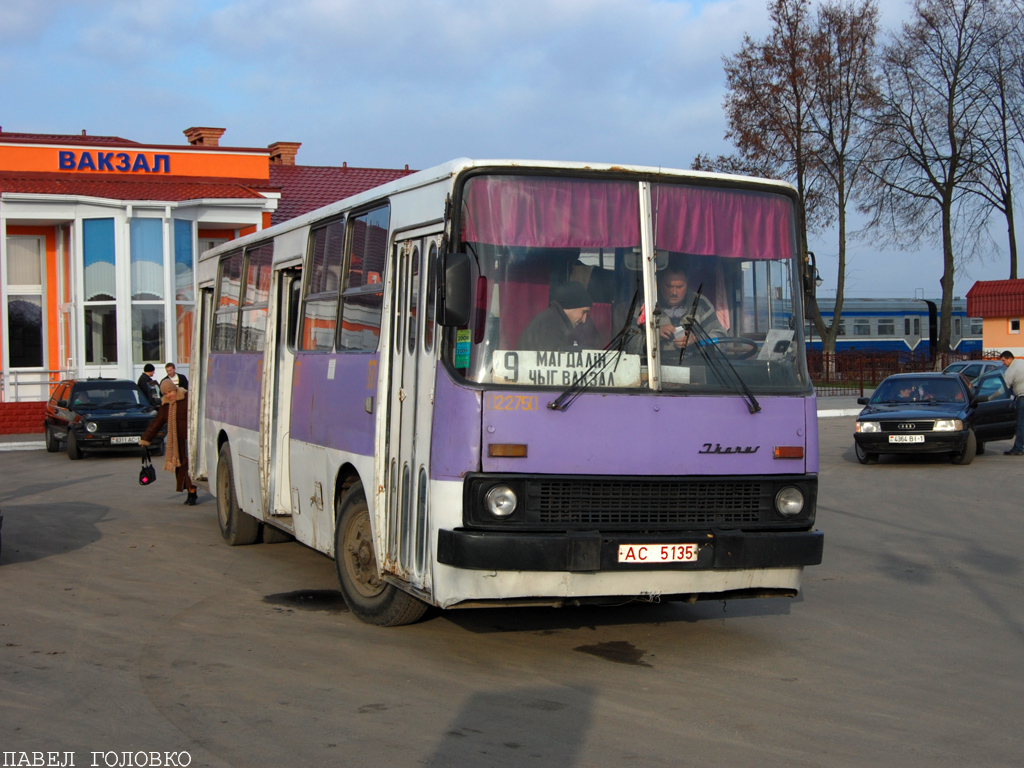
(738, 347)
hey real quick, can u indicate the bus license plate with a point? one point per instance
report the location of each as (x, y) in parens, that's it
(128, 439)
(906, 438)
(657, 553)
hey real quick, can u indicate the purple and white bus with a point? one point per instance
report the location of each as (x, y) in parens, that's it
(519, 383)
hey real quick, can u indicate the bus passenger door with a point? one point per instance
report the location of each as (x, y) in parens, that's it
(199, 453)
(411, 377)
(289, 295)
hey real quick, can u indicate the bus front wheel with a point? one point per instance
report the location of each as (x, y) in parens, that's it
(367, 595)
(236, 526)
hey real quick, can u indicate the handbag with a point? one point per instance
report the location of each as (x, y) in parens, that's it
(147, 475)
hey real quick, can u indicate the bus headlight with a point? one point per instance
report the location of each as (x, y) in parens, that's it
(501, 501)
(867, 426)
(91, 426)
(789, 501)
(948, 425)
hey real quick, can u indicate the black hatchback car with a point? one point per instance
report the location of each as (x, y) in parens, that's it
(89, 414)
(934, 413)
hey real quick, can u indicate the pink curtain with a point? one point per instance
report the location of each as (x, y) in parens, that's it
(551, 213)
(728, 223)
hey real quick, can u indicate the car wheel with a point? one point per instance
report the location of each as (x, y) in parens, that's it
(367, 595)
(237, 527)
(966, 456)
(74, 452)
(864, 457)
(980, 450)
(52, 443)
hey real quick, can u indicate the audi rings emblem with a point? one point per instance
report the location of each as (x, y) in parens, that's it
(908, 425)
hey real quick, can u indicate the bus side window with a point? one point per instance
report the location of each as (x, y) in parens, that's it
(229, 285)
(363, 290)
(320, 309)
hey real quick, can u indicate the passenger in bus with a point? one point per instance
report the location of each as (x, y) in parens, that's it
(174, 413)
(557, 327)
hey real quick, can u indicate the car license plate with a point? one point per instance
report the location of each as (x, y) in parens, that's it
(127, 439)
(657, 553)
(906, 438)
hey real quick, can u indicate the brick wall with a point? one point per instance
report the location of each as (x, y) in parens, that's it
(21, 418)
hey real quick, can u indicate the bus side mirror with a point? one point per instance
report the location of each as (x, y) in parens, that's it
(455, 291)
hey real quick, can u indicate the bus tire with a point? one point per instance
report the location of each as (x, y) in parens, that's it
(272, 535)
(367, 595)
(237, 527)
(966, 456)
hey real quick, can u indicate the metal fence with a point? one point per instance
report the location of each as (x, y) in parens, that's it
(28, 386)
(851, 372)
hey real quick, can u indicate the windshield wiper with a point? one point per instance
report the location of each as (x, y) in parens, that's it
(721, 366)
(616, 346)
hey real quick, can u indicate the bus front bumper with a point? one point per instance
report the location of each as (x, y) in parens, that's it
(587, 551)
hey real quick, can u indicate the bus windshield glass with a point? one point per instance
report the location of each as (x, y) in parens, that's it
(560, 295)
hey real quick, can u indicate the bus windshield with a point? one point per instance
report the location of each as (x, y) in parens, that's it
(560, 297)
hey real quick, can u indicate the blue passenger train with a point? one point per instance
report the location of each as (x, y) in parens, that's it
(896, 325)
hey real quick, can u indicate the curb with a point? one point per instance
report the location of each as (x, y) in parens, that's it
(29, 445)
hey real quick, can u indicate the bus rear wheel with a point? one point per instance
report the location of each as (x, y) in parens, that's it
(236, 526)
(367, 595)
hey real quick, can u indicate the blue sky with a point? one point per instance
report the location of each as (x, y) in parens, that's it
(384, 83)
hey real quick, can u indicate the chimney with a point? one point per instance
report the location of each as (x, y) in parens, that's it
(284, 152)
(204, 137)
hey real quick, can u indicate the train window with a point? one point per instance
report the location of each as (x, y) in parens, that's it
(956, 326)
(1015, 325)
(862, 327)
(886, 326)
(917, 326)
(906, 326)
(842, 328)
(977, 326)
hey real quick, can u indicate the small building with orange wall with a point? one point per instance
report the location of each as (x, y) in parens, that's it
(99, 237)
(1000, 304)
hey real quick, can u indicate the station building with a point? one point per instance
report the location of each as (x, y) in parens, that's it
(99, 237)
(1000, 303)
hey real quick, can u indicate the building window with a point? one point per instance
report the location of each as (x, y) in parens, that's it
(147, 267)
(100, 311)
(1015, 325)
(25, 301)
(184, 289)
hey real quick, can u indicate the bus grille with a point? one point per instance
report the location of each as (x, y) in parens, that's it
(651, 503)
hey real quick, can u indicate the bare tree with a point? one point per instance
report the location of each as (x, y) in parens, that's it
(843, 91)
(928, 122)
(1000, 93)
(766, 102)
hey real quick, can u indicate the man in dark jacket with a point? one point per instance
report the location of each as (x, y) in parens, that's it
(148, 385)
(552, 328)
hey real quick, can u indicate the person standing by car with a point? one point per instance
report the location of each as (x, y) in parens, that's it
(177, 379)
(174, 413)
(1014, 378)
(147, 383)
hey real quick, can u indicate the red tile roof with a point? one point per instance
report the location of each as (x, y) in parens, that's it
(58, 138)
(996, 298)
(163, 188)
(305, 188)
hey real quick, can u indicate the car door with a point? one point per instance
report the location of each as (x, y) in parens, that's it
(57, 411)
(995, 417)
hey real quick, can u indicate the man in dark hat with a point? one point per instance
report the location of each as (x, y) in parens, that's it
(552, 328)
(147, 383)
